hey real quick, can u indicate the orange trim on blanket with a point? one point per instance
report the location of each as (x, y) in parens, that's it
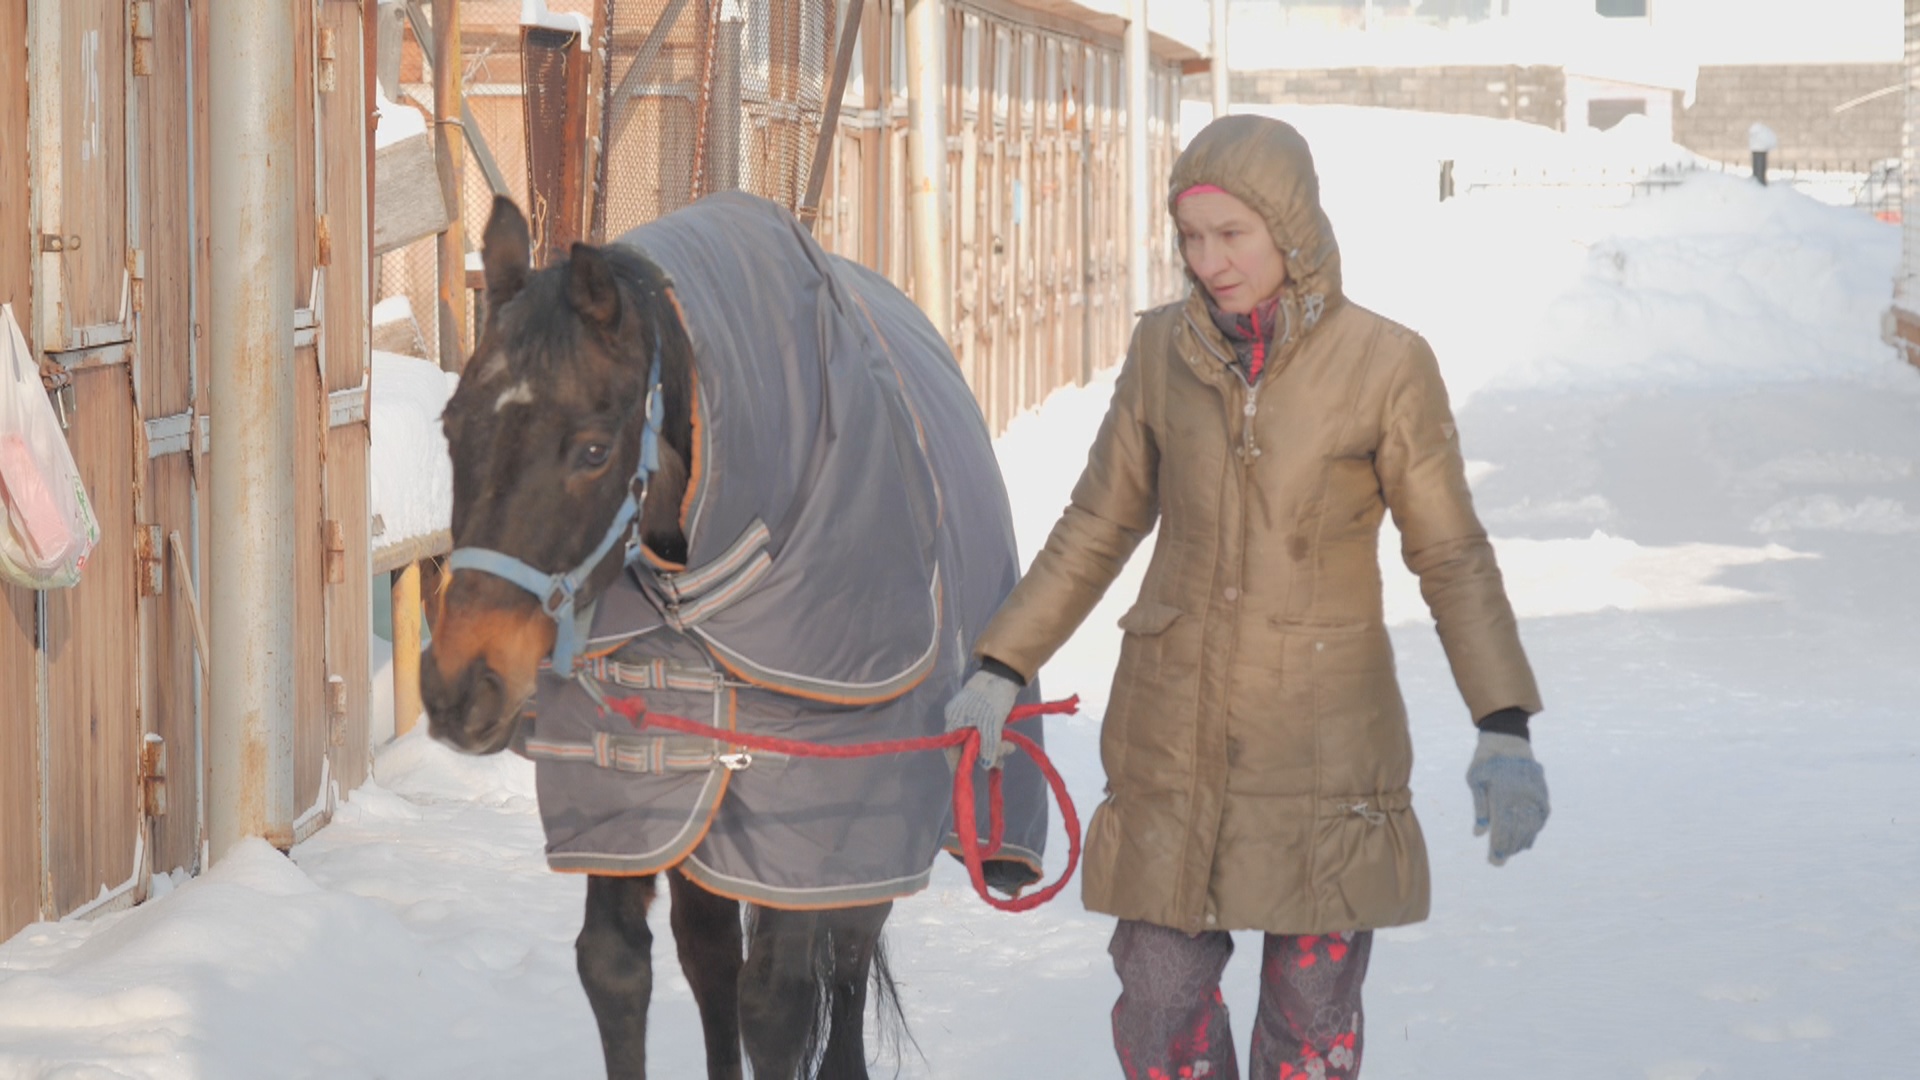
(698, 464)
(825, 699)
(694, 876)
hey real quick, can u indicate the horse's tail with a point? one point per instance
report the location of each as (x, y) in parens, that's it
(834, 1044)
(890, 1016)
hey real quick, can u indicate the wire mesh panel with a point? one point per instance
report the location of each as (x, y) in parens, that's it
(708, 95)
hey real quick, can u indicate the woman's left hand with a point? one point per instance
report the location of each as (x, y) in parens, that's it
(1509, 795)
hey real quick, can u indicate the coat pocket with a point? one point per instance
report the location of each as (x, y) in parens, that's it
(1149, 617)
(1140, 684)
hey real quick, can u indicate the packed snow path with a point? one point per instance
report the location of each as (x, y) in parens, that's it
(1702, 471)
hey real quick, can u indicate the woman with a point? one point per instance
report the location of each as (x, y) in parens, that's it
(1255, 742)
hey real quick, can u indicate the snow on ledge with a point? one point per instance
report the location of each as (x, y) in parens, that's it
(395, 121)
(412, 476)
(535, 13)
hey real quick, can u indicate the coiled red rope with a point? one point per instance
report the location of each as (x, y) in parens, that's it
(966, 740)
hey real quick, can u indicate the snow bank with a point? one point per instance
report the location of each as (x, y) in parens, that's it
(1721, 281)
(412, 476)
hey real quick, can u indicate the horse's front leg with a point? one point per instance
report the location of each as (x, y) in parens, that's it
(615, 958)
(706, 929)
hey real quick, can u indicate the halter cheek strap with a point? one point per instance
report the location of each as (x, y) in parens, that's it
(557, 593)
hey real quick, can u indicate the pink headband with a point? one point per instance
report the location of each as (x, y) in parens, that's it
(1199, 189)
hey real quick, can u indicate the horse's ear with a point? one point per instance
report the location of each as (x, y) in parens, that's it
(505, 250)
(591, 287)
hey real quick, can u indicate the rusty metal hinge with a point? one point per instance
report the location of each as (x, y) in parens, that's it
(137, 277)
(334, 543)
(153, 776)
(329, 54)
(140, 27)
(150, 560)
(337, 710)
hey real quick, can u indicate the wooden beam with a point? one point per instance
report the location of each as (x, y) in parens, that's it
(406, 649)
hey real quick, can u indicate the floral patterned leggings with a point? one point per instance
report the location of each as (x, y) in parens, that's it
(1171, 1023)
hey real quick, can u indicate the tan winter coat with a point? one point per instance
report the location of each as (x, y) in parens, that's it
(1255, 742)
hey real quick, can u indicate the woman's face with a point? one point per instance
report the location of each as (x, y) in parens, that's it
(1230, 251)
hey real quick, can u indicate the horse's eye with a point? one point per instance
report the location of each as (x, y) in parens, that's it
(594, 456)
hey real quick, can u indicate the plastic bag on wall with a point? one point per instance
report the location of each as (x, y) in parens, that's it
(48, 528)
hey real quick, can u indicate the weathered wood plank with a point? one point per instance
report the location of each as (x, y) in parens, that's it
(350, 610)
(19, 763)
(165, 294)
(310, 733)
(19, 675)
(170, 690)
(343, 116)
(93, 159)
(16, 259)
(94, 730)
(306, 224)
(407, 202)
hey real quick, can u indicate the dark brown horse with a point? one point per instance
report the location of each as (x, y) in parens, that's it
(547, 431)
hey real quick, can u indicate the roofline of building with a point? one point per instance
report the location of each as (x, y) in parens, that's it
(1075, 19)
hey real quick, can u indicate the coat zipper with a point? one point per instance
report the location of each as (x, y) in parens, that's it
(1249, 450)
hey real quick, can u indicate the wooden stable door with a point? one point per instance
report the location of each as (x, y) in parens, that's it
(104, 226)
(90, 727)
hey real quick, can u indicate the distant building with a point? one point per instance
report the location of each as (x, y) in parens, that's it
(1701, 71)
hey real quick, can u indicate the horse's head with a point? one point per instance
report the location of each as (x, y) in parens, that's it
(546, 432)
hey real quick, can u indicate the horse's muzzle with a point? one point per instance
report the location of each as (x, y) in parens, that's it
(472, 712)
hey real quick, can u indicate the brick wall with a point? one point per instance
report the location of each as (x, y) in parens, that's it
(1535, 94)
(1797, 102)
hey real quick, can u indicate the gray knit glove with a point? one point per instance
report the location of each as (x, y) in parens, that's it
(1509, 795)
(984, 702)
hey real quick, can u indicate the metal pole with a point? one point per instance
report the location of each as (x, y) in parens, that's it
(447, 148)
(927, 157)
(1139, 196)
(1222, 81)
(250, 277)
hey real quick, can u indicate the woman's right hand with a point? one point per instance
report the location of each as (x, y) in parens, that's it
(984, 704)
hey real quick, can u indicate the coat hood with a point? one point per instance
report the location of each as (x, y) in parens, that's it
(1267, 165)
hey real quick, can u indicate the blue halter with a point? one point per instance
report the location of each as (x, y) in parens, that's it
(557, 592)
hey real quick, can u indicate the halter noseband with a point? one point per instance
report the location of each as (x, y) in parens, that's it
(557, 592)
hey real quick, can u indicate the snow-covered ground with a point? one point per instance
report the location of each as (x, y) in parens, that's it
(1702, 471)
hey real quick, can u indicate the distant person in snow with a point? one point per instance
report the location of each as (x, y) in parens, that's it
(1255, 741)
(1762, 141)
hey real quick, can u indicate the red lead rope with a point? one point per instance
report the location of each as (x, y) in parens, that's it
(967, 740)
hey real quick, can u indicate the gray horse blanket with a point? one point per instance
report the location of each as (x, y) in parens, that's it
(849, 536)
